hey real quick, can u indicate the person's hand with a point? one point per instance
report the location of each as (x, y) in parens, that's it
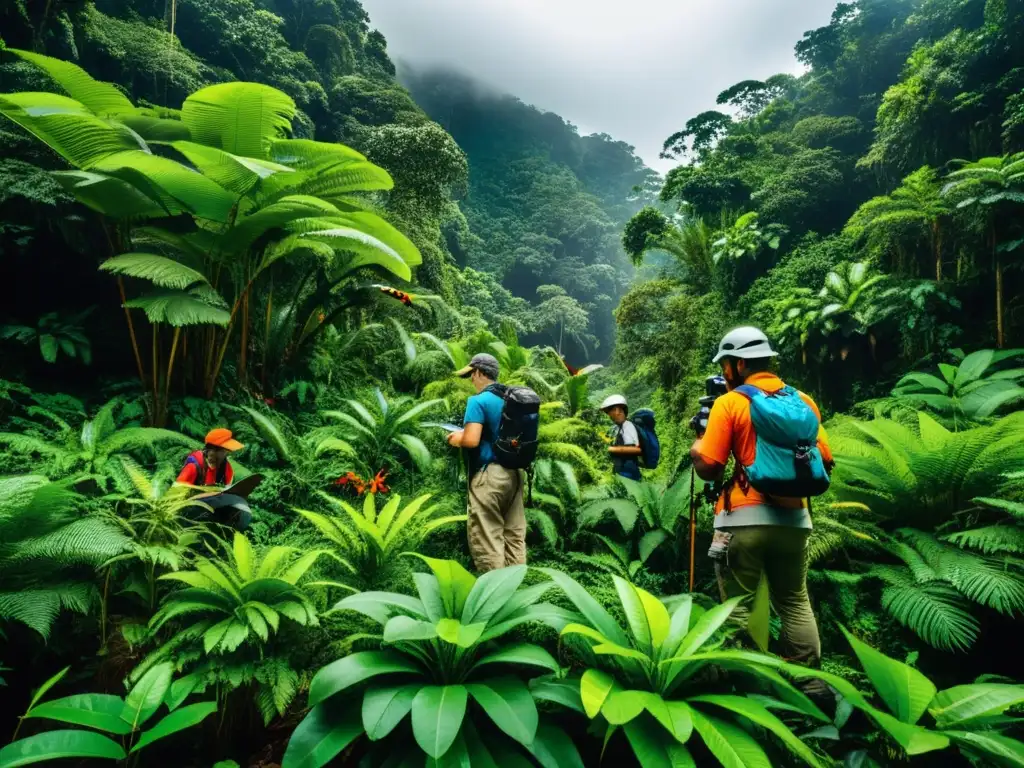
(455, 439)
(695, 448)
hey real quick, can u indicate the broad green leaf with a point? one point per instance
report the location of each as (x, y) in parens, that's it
(599, 618)
(92, 710)
(1000, 750)
(678, 628)
(905, 691)
(595, 686)
(705, 627)
(520, 653)
(649, 542)
(455, 583)
(757, 713)
(178, 720)
(451, 631)
(491, 592)
(401, 628)
(102, 99)
(380, 606)
(674, 716)
(148, 694)
(622, 706)
(507, 701)
(564, 692)
(733, 746)
(159, 270)
(960, 705)
(479, 754)
(648, 619)
(55, 745)
(324, 732)
(437, 713)
(385, 707)
(45, 687)
(245, 558)
(554, 749)
(354, 669)
(654, 748)
(241, 118)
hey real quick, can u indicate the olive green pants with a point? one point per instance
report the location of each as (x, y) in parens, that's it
(781, 553)
(497, 518)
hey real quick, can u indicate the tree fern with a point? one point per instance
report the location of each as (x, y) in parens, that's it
(990, 539)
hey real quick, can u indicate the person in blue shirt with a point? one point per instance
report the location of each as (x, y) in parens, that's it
(496, 525)
(625, 449)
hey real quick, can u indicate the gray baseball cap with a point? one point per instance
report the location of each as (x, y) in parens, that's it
(486, 364)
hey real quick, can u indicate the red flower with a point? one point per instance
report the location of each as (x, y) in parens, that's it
(377, 484)
(269, 401)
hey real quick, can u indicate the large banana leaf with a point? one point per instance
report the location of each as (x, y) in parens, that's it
(102, 99)
(241, 118)
(173, 184)
(305, 153)
(67, 127)
(234, 173)
(331, 177)
(112, 197)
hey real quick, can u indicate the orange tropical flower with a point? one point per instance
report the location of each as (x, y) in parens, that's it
(377, 484)
(402, 296)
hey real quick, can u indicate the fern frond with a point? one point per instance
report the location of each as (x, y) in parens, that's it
(934, 612)
(990, 539)
(541, 522)
(271, 433)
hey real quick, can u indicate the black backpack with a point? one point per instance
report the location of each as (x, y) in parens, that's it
(515, 446)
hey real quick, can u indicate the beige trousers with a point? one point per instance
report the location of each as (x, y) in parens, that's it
(781, 552)
(497, 518)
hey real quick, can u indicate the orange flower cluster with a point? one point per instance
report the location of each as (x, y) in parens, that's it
(360, 486)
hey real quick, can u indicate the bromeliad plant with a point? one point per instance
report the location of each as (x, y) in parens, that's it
(384, 433)
(230, 614)
(123, 719)
(370, 541)
(643, 679)
(444, 665)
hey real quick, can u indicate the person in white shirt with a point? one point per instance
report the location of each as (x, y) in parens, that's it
(625, 448)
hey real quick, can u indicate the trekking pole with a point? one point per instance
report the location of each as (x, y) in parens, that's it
(693, 524)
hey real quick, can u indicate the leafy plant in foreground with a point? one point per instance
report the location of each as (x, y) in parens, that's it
(443, 651)
(644, 680)
(920, 484)
(370, 541)
(123, 719)
(49, 551)
(230, 612)
(971, 717)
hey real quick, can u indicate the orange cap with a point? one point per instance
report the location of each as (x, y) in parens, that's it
(222, 438)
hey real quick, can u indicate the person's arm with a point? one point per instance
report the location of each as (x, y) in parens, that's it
(188, 473)
(630, 442)
(710, 452)
(469, 436)
(229, 473)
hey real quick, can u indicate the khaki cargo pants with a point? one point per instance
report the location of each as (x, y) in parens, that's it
(497, 518)
(781, 553)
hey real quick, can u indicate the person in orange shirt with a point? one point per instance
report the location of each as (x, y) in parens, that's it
(210, 466)
(755, 533)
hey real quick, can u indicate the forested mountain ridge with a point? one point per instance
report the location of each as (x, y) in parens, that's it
(840, 209)
(545, 207)
(326, 56)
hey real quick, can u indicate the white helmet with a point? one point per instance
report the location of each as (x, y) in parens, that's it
(611, 402)
(748, 343)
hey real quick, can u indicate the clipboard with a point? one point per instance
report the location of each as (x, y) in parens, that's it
(242, 488)
(445, 426)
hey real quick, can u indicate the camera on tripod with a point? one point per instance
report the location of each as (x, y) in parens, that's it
(714, 387)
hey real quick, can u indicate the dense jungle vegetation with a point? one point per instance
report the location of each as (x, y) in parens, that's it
(236, 213)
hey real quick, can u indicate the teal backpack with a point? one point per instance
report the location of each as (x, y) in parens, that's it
(788, 461)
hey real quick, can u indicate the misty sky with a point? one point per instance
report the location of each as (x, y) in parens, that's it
(635, 69)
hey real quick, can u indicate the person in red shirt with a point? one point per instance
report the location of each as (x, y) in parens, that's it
(210, 466)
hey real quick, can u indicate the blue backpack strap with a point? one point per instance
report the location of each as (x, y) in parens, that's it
(749, 391)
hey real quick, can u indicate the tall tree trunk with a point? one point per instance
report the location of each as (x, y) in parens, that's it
(937, 246)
